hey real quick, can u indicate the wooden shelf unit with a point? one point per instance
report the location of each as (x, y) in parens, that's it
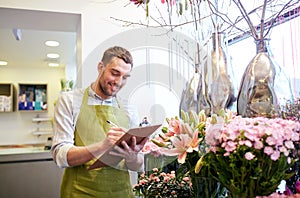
(7, 96)
(32, 97)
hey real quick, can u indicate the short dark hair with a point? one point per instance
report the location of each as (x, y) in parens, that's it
(119, 52)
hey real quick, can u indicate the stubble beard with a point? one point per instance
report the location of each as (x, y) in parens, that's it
(105, 91)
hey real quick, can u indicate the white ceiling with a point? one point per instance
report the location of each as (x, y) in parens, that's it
(37, 27)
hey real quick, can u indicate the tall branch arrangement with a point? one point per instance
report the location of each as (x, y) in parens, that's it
(235, 17)
(274, 8)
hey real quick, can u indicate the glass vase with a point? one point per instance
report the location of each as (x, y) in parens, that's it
(217, 87)
(264, 87)
(205, 187)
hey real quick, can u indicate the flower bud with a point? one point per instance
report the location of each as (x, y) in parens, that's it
(158, 143)
(199, 164)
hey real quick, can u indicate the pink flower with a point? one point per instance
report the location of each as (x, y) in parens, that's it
(275, 156)
(287, 191)
(186, 179)
(213, 132)
(297, 186)
(248, 143)
(142, 182)
(166, 179)
(268, 150)
(156, 179)
(174, 127)
(230, 146)
(249, 156)
(258, 144)
(289, 144)
(137, 2)
(172, 175)
(284, 150)
(182, 144)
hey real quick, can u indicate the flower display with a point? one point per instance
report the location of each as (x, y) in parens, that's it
(251, 156)
(160, 184)
(291, 111)
(182, 138)
(248, 156)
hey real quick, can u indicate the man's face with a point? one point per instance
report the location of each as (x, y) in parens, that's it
(112, 77)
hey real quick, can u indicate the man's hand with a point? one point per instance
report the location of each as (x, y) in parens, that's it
(131, 153)
(113, 135)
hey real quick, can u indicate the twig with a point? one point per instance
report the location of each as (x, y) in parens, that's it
(287, 5)
(246, 17)
(262, 20)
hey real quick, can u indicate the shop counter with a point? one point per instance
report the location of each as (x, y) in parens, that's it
(28, 172)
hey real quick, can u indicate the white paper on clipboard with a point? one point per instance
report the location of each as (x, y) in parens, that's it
(140, 133)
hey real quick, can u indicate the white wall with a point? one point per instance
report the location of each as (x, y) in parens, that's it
(99, 31)
(16, 127)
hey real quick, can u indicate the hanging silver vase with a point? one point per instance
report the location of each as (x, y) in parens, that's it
(219, 90)
(264, 86)
(188, 101)
(215, 90)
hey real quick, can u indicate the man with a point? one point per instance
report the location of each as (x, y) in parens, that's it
(81, 133)
(145, 122)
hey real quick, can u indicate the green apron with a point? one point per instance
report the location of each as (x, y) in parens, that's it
(106, 182)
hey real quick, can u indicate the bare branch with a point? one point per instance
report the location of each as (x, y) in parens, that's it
(246, 17)
(281, 12)
(262, 20)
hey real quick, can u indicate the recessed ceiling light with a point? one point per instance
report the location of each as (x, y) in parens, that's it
(52, 43)
(3, 62)
(52, 55)
(53, 64)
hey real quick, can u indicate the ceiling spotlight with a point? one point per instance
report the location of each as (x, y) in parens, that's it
(53, 55)
(53, 64)
(52, 43)
(3, 63)
(17, 33)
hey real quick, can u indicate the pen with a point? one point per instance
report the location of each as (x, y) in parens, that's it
(111, 123)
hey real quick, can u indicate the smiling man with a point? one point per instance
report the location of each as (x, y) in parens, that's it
(81, 133)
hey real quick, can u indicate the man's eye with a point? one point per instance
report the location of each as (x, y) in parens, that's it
(125, 77)
(115, 73)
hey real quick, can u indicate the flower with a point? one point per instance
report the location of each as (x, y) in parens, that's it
(291, 111)
(248, 156)
(160, 184)
(182, 138)
(252, 155)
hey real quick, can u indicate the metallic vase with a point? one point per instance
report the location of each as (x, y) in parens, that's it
(188, 101)
(215, 90)
(219, 90)
(264, 86)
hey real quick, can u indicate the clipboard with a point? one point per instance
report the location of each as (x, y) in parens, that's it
(140, 133)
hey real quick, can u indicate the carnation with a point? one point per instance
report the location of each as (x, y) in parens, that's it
(160, 184)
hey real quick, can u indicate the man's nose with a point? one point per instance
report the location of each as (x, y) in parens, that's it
(118, 81)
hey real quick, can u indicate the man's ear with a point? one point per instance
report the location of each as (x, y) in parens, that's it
(100, 66)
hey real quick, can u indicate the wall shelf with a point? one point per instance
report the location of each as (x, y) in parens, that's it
(32, 97)
(7, 96)
(44, 126)
(38, 133)
(41, 119)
